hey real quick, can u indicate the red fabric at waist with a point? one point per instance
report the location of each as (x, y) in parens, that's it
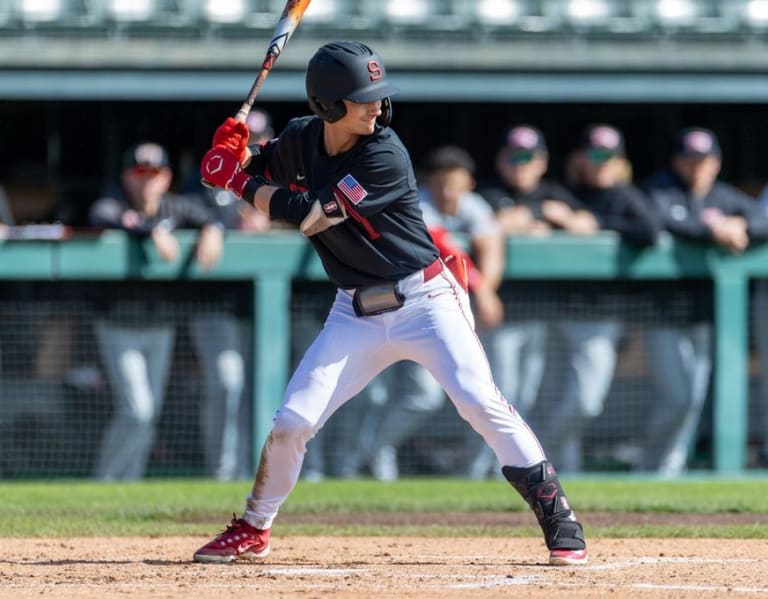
(434, 269)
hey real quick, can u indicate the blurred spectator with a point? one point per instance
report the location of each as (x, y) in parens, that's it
(600, 177)
(449, 207)
(6, 219)
(760, 309)
(694, 205)
(220, 338)
(136, 338)
(525, 203)
(6, 216)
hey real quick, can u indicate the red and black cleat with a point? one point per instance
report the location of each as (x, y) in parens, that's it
(563, 534)
(240, 541)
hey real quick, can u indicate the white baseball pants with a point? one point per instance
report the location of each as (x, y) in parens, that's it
(435, 328)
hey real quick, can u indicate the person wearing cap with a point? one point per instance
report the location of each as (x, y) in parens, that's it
(220, 337)
(693, 205)
(135, 337)
(599, 176)
(343, 176)
(526, 203)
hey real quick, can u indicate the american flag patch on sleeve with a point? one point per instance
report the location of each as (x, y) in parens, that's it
(351, 189)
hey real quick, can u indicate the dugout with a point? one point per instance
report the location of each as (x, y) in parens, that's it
(75, 91)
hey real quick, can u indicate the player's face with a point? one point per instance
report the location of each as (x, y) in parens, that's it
(698, 172)
(521, 169)
(448, 186)
(361, 118)
(145, 185)
(603, 169)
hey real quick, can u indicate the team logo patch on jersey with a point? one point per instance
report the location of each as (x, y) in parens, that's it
(351, 189)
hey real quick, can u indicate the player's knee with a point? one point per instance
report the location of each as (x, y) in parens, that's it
(290, 425)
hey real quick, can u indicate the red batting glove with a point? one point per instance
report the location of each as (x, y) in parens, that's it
(233, 135)
(220, 168)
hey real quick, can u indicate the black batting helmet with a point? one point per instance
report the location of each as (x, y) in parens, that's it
(351, 71)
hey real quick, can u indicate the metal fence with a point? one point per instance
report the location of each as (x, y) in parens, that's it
(57, 396)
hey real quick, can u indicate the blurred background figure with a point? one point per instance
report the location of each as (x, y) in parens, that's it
(600, 177)
(221, 338)
(136, 337)
(402, 398)
(525, 203)
(6, 216)
(694, 205)
(760, 309)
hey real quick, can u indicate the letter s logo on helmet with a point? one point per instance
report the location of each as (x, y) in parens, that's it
(375, 70)
(347, 71)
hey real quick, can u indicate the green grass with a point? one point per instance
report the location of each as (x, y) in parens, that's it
(183, 507)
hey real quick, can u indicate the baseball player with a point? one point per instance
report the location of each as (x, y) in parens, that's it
(345, 178)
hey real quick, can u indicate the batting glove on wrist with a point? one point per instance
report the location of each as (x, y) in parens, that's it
(220, 168)
(233, 135)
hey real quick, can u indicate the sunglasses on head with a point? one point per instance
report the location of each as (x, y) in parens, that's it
(142, 170)
(600, 155)
(520, 157)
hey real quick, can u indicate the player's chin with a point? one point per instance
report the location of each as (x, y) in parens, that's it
(369, 126)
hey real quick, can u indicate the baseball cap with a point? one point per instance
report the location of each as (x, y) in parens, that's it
(602, 142)
(260, 124)
(522, 142)
(696, 142)
(147, 154)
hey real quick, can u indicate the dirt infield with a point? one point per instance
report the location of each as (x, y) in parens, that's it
(391, 567)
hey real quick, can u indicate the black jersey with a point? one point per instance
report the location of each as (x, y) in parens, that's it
(500, 196)
(173, 212)
(385, 238)
(680, 212)
(622, 208)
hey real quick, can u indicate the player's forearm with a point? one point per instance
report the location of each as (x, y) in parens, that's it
(259, 195)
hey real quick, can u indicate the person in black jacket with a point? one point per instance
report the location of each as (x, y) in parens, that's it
(599, 177)
(692, 204)
(525, 202)
(136, 336)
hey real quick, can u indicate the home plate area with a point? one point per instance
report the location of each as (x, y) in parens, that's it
(397, 567)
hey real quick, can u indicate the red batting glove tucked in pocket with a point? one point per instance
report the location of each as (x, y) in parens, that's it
(458, 266)
(233, 135)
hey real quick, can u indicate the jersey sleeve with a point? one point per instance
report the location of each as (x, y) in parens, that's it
(106, 213)
(190, 212)
(635, 221)
(278, 159)
(555, 191)
(743, 205)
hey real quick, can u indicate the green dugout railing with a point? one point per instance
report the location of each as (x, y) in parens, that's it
(271, 261)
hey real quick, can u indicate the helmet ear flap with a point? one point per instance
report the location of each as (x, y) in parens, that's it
(385, 118)
(330, 113)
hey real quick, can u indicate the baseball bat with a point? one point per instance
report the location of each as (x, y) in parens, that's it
(289, 20)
